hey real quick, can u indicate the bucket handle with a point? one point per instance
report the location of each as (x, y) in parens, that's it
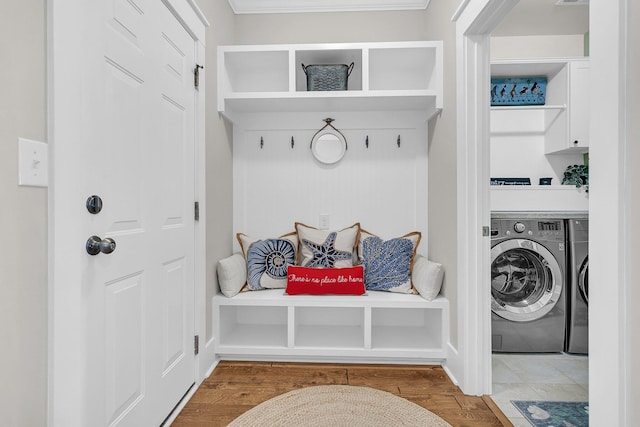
(350, 69)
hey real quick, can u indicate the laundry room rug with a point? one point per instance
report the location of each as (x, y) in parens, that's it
(338, 405)
(544, 413)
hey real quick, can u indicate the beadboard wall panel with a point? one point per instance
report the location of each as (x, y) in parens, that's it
(384, 187)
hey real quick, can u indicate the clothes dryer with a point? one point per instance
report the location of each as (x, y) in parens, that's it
(528, 261)
(578, 279)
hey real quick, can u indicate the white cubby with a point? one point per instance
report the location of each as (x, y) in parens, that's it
(333, 327)
(403, 68)
(255, 326)
(329, 56)
(376, 327)
(406, 328)
(262, 71)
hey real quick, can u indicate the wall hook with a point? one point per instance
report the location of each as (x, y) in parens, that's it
(292, 143)
(261, 143)
(366, 142)
(398, 141)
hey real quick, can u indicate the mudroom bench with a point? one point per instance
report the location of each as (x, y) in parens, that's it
(378, 327)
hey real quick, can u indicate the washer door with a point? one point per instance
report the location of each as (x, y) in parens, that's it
(583, 280)
(526, 281)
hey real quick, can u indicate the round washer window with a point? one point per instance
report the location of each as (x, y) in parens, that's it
(526, 281)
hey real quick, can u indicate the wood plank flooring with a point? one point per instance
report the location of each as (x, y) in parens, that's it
(235, 387)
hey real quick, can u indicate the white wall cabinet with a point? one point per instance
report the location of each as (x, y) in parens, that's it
(379, 326)
(392, 76)
(562, 121)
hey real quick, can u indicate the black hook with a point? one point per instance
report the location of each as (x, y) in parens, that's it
(292, 143)
(398, 141)
(366, 142)
(261, 143)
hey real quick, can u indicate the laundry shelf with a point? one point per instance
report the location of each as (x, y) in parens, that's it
(532, 198)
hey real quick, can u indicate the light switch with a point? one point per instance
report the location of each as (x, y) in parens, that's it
(324, 221)
(33, 163)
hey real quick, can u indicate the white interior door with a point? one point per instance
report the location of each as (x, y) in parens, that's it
(122, 128)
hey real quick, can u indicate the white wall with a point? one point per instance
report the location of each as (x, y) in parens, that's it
(432, 24)
(23, 215)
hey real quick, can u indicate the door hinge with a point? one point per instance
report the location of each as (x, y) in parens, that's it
(196, 76)
(196, 211)
(196, 344)
(486, 231)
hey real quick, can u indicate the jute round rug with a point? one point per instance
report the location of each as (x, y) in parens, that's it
(338, 405)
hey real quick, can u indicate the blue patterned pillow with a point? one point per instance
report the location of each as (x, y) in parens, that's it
(387, 264)
(267, 260)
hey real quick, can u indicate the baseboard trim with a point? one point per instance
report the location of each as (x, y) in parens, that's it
(453, 365)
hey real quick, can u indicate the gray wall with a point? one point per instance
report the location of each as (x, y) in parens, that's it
(432, 24)
(219, 137)
(23, 218)
(633, 160)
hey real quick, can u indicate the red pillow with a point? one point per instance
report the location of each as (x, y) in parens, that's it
(317, 281)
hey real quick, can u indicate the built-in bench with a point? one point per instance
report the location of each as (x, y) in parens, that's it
(381, 327)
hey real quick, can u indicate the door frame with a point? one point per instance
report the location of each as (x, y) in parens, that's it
(611, 384)
(471, 364)
(194, 21)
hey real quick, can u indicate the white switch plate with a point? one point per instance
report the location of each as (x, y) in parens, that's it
(33, 163)
(324, 222)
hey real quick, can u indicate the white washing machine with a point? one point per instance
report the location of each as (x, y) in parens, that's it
(578, 279)
(528, 261)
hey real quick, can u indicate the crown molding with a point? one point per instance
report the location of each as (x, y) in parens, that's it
(301, 6)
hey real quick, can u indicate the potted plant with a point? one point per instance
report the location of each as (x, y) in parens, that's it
(577, 175)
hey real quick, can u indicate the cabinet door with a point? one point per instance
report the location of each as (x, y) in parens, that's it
(579, 104)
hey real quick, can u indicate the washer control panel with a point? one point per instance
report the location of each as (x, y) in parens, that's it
(547, 229)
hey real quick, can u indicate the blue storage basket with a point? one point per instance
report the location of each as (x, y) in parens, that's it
(518, 90)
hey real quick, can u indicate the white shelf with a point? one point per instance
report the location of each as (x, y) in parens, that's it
(396, 76)
(528, 107)
(525, 120)
(532, 198)
(379, 326)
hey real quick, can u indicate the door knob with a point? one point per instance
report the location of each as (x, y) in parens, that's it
(95, 245)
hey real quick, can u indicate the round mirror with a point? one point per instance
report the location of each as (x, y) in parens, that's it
(328, 147)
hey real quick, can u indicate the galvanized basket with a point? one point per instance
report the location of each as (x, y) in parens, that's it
(327, 77)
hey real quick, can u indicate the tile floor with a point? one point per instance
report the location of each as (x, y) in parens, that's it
(538, 377)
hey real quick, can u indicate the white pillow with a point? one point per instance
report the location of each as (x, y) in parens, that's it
(427, 277)
(328, 249)
(232, 274)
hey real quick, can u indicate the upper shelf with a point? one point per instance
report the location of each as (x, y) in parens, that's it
(396, 76)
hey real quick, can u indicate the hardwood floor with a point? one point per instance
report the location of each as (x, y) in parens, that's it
(235, 387)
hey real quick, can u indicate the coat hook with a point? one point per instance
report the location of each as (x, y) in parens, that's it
(292, 143)
(366, 142)
(398, 141)
(261, 143)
